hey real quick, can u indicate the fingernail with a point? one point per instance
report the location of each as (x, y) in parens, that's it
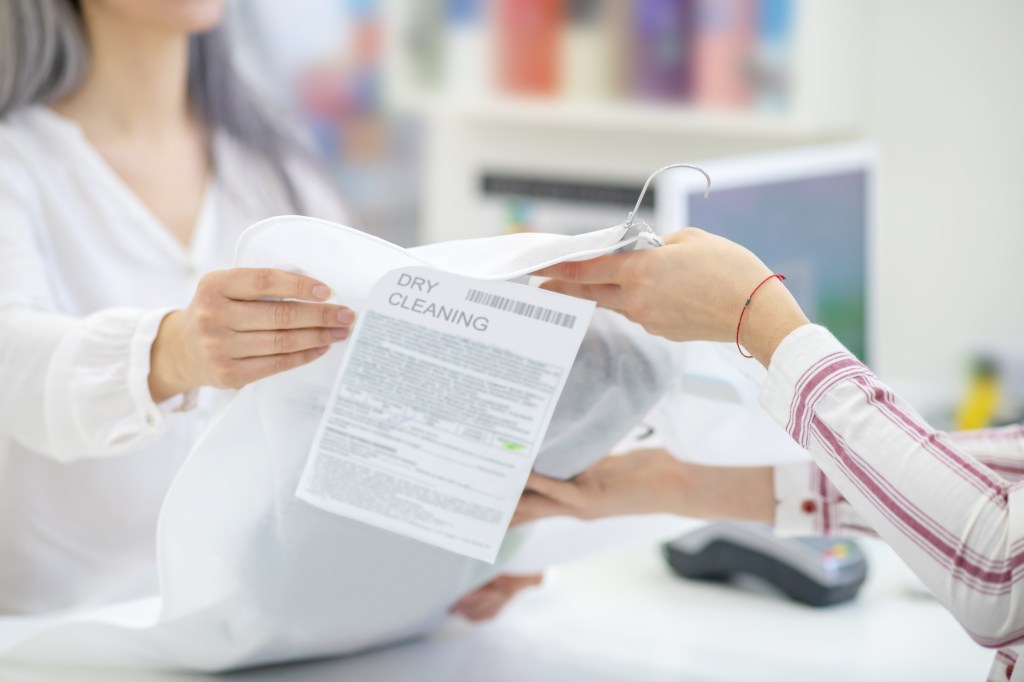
(339, 332)
(321, 292)
(346, 316)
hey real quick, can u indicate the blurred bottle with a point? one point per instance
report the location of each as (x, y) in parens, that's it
(422, 40)
(723, 53)
(367, 54)
(529, 35)
(619, 15)
(662, 55)
(466, 57)
(588, 50)
(772, 54)
(981, 402)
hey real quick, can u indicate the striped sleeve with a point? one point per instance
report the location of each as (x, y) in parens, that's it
(957, 523)
(807, 503)
(1004, 666)
(1001, 450)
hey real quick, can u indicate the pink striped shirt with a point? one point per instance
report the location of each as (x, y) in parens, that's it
(951, 506)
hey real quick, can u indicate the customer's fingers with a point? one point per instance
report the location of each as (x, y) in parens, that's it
(545, 497)
(282, 341)
(271, 315)
(250, 284)
(605, 295)
(552, 488)
(600, 270)
(534, 506)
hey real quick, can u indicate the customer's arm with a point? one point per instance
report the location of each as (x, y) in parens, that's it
(1000, 449)
(807, 503)
(797, 498)
(958, 524)
(652, 481)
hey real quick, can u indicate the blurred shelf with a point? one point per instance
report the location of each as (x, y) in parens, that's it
(626, 117)
(471, 127)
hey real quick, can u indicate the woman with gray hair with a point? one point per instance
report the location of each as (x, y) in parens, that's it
(131, 158)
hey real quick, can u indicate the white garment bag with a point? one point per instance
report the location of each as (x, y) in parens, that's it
(250, 574)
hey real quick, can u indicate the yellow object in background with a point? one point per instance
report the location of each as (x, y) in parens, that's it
(981, 403)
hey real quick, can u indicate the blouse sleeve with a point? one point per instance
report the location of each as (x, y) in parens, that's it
(72, 387)
(807, 503)
(1001, 449)
(956, 522)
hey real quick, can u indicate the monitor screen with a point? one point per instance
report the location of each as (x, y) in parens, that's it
(807, 215)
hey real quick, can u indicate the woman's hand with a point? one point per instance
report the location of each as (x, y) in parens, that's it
(650, 482)
(487, 601)
(693, 288)
(229, 336)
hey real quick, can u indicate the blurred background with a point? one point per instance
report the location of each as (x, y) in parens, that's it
(871, 150)
(445, 119)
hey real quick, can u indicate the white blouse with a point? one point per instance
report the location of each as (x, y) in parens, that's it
(86, 275)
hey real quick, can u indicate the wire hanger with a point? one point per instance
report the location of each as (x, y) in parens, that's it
(643, 192)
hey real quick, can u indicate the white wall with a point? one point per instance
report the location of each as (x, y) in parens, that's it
(947, 110)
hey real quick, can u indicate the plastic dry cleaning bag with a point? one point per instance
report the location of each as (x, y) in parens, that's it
(249, 573)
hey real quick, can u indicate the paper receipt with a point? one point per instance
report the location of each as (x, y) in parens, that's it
(440, 406)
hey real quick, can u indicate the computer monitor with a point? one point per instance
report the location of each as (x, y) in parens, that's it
(808, 213)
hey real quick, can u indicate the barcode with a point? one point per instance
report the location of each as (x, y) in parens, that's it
(521, 308)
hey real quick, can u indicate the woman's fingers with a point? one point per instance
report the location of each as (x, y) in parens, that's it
(241, 372)
(251, 284)
(488, 600)
(271, 315)
(482, 607)
(282, 341)
(515, 583)
(245, 324)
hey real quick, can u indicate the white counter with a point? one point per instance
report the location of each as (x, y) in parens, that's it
(624, 617)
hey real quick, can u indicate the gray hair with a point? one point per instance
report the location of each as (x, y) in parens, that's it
(43, 57)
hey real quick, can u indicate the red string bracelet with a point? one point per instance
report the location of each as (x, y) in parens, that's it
(747, 305)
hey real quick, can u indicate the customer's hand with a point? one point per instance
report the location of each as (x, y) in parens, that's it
(693, 288)
(648, 482)
(230, 335)
(639, 482)
(487, 601)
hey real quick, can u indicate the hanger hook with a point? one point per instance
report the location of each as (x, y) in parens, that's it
(643, 192)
